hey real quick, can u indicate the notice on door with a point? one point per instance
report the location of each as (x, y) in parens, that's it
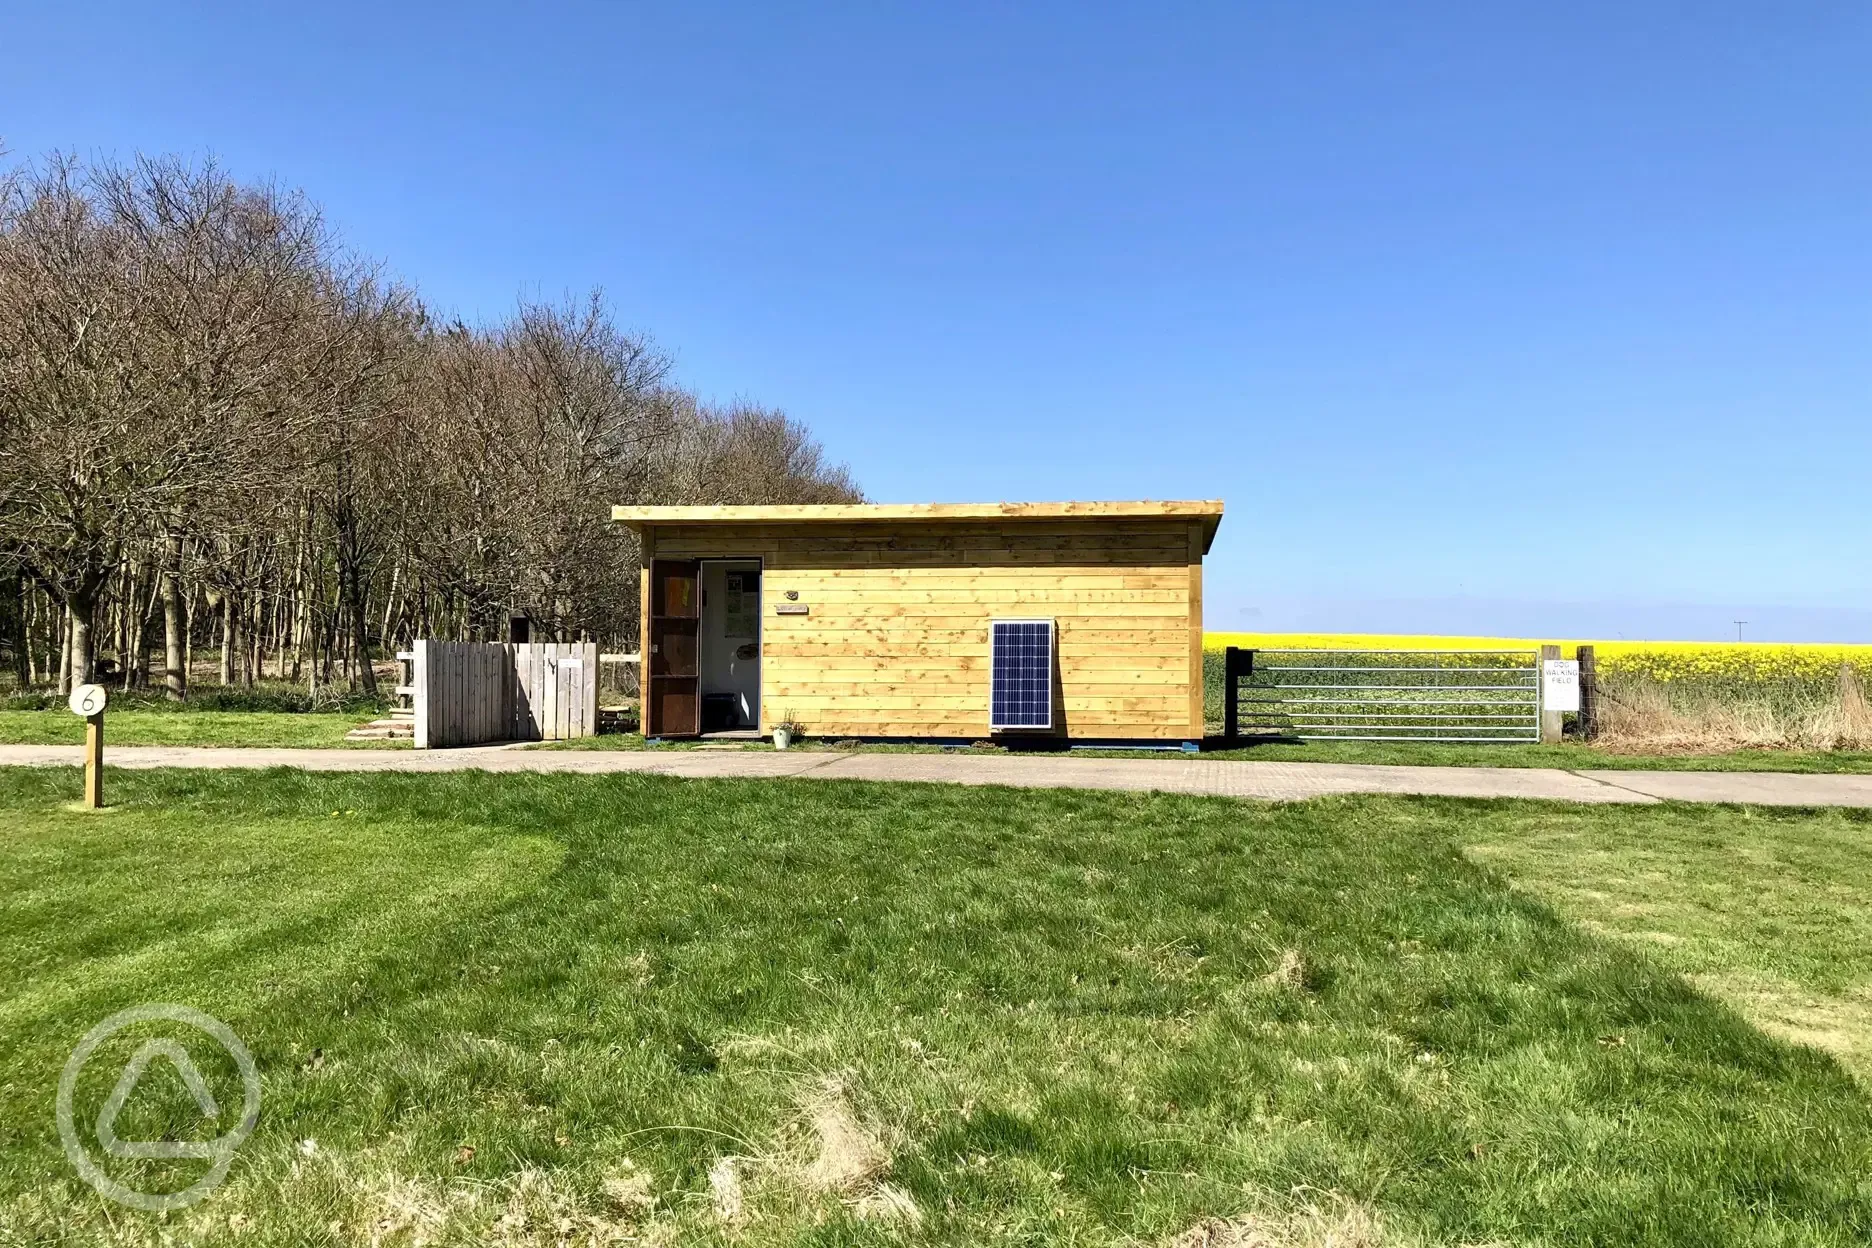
(1560, 684)
(740, 605)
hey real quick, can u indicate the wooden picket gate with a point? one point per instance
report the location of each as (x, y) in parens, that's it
(470, 692)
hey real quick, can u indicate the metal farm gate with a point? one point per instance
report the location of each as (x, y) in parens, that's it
(1383, 695)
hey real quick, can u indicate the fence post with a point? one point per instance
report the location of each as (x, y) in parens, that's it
(1551, 722)
(1231, 718)
(1236, 663)
(422, 688)
(1588, 693)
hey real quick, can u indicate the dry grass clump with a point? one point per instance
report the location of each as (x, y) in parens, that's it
(531, 1209)
(828, 1151)
(1342, 1225)
(1290, 973)
(1641, 715)
(725, 1194)
(849, 1158)
(847, 1154)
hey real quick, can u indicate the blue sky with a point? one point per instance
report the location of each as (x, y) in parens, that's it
(1554, 321)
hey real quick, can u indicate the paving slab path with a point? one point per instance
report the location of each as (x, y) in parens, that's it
(1215, 777)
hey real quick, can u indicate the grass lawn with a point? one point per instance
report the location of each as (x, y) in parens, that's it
(1405, 753)
(327, 730)
(1764, 908)
(140, 727)
(1570, 756)
(565, 1009)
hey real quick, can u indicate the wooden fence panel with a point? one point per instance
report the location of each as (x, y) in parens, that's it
(522, 718)
(578, 668)
(467, 693)
(555, 695)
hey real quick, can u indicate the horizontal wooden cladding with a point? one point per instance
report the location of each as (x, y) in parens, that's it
(969, 718)
(1023, 558)
(1101, 699)
(1072, 578)
(908, 535)
(904, 624)
(956, 562)
(975, 727)
(1162, 545)
(1119, 644)
(1170, 662)
(999, 602)
(894, 639)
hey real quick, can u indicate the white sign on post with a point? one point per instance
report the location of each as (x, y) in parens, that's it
(1560, 684)
(87, 700)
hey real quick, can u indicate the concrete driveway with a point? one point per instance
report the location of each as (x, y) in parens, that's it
(1272, 781)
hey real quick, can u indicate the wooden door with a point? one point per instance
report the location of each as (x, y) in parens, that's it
(672, 700)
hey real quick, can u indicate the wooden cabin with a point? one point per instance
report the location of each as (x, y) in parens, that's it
(939, 620)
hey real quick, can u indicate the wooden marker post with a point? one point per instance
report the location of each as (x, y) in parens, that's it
(87, 702)
(1551, 721)
(1588, 693)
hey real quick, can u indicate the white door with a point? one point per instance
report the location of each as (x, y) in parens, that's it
(731, 640)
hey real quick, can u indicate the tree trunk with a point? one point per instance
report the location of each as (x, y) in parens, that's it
(188, 639)
(32, 638)
(389, 634)
(134, 656)
(360, 626)
(229, 628)
(14, 604)
(64, 651)
(81, 608)
(126, 612)
(175, 662)
(252, 634)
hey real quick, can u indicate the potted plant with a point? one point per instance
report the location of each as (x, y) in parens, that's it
(787, 731)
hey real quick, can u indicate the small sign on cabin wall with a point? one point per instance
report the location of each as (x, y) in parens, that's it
(1560, 684)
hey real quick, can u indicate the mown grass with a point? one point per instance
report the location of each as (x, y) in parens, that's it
(317, 730)
(1567, 756)
(307, 729)
(1764, 908)
(546, 1009)
(1571, 756)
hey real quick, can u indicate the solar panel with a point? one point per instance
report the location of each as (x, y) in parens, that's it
(1021, 691)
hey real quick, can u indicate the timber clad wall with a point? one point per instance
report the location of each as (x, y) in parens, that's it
(895, 641)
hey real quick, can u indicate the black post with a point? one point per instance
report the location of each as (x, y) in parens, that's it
(1231, 718)
(1588, 693)
(519, 630)
(1236, 664)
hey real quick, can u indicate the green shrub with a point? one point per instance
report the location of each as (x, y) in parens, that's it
(276, 698)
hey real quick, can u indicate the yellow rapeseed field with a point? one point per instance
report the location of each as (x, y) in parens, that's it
(1656, 660)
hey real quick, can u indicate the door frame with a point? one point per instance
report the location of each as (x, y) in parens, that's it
(760, 636)
(654, 639)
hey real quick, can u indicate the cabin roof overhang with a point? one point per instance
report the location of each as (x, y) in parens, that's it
(1207, 511)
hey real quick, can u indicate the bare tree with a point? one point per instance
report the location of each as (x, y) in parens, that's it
(748, 454)
(82, 449)
(211, 414)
